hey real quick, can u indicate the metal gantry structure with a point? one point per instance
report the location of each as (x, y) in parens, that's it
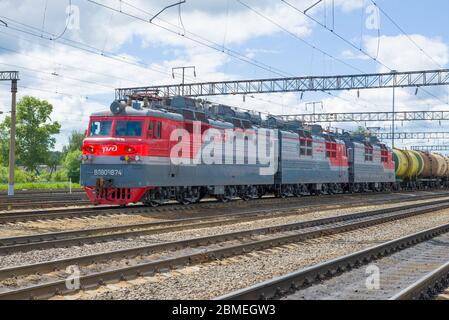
(413, 135)
(296, 84)
(370, 116)
(431, 148)
(12, 76)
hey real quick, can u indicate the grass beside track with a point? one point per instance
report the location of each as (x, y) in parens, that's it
(41, 186)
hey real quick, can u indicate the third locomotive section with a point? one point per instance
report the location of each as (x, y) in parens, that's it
(128, 157)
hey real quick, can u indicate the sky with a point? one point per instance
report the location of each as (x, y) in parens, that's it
(74, 53)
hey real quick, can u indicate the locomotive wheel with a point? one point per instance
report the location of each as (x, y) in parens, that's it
(153, 204)
(222, 198)
(227, 196)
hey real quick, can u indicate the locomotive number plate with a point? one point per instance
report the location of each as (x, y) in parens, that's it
(108, 172)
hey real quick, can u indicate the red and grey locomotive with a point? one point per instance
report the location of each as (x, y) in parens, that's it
(184, 149)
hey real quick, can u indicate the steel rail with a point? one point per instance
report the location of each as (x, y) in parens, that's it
(58, 213)
(43, 204)
(292, 282)
(427, 287)
(78, 237)
(46, 290)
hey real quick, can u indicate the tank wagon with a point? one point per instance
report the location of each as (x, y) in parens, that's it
(131, 154)
(421, 170)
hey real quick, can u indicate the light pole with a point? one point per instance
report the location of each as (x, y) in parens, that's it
(12, 141)
(12, 76)
(183, 74)
(393, 118)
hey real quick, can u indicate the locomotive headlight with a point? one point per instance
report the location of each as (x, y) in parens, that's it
(130, 149)
(126, 158)
(89, 149)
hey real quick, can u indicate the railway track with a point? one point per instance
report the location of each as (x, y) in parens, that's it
(79, 237)
(42, 200)
(443, 295)
(39, 191)
(412, 267)
(104, 267)
(430, 285)
(309, 202)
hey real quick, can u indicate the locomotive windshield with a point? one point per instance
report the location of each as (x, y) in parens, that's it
(100, 128)
(128, 129)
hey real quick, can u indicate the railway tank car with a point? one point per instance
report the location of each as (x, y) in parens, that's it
(421, 170)
(129, 155)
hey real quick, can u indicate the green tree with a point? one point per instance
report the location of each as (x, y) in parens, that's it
(361, 131)
(35, 132)
(54, 160)
(72, 165)
(4, 144)
(75, 142)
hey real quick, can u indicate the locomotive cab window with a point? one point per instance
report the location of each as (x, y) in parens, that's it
(155, 130)
(101, 128)
(128, 129)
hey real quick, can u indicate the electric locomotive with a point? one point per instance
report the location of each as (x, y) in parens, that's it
(160, 149)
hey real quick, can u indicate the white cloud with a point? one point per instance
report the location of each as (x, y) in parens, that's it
(399, 53)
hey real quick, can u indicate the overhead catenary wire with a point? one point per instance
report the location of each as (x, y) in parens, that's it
(201, 41)
(56, 92)
(415, 44)
(218, 47)
(298, 38)
(283, 74)
(66, 23)
(58, 63)
(85, 47)
(57, 75)
(375, 59)
(335, 33)
(406, 34)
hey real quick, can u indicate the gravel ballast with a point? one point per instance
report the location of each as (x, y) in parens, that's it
(37, 256)
(220, 277)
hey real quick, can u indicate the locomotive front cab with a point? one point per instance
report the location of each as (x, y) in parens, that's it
(113, 150)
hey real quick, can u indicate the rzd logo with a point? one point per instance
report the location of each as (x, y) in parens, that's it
(110, 149)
